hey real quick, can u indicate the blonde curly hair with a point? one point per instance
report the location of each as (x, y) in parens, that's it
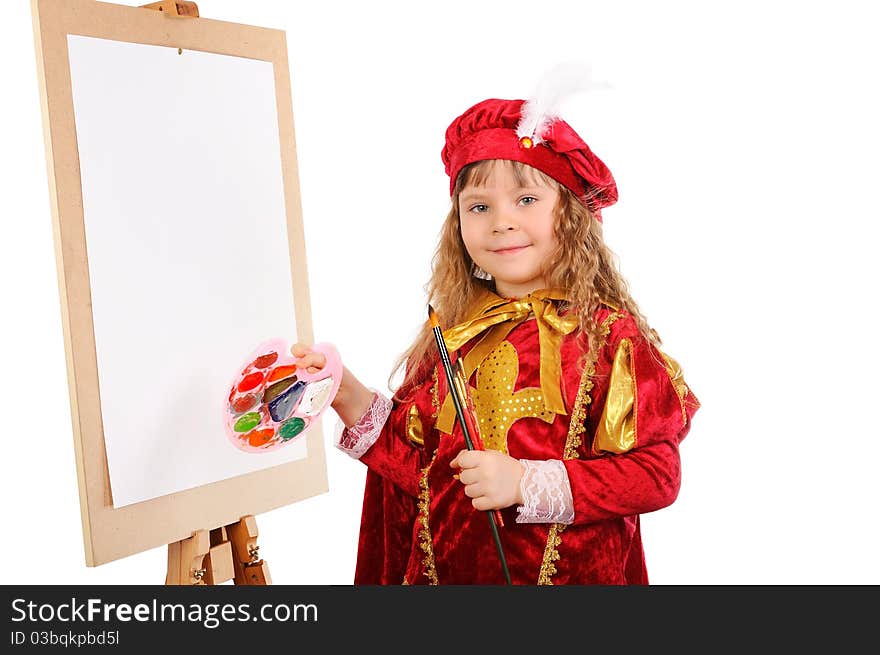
(581, 264)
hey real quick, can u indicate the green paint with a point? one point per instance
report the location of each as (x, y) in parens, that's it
(247, 422)
(289, 429)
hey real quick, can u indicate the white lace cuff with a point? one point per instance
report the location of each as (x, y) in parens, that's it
(357, 439)
(546, 493)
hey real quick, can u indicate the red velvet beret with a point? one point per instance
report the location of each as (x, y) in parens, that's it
(488, 130)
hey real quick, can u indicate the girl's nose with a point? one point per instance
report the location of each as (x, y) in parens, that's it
(503, 222)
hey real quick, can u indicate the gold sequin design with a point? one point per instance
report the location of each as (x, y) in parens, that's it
(496, 404)
(425, 540)
(574, 439)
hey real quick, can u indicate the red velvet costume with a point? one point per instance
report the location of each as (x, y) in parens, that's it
(418, 526)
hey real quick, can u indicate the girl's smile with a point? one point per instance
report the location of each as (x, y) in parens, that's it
(509, 251)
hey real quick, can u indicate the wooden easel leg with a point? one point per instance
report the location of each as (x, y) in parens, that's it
(218, 561)
(172, 576)
(249, 568)
(225, 553)
(186, 560)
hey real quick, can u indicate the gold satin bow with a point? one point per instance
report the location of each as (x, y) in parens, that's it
(496, 317)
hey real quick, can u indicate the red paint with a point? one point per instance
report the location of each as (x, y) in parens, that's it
(250, 382)
(281, 372)
(266, 360)
(259, 438)
(244, 403)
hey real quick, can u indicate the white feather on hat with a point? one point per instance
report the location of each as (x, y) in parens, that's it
(554, 86)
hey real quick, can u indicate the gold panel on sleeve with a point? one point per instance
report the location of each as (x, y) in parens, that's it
(414, 428)
(616, 432)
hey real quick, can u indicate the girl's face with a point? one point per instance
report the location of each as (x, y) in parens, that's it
(508, 229)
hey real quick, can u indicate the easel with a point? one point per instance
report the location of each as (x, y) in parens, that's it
(209, 529)
(229, 552)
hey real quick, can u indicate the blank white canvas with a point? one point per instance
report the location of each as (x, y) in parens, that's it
(188, 255)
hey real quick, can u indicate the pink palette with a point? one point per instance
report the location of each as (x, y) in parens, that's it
(272, 402)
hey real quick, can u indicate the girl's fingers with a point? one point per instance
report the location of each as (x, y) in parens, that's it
(299, 349)
(474, 490)
(465, 459)
(308, 359)
(468, 476)
(316, 360)
(484, 504)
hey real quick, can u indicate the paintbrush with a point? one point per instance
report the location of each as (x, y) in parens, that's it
(470, 413)
(471, 431)
(458, 390)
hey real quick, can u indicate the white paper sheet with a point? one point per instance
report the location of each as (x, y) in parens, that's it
(188, 252)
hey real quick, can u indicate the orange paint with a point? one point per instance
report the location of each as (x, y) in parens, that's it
(281, 372)
(259, 438)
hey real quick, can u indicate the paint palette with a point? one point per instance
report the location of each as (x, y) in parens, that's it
(272, 402)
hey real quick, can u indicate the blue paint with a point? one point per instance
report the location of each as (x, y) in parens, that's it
(282, 406)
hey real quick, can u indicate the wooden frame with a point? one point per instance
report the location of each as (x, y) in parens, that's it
(111, 533)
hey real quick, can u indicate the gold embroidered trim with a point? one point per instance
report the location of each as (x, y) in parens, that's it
(572, 442)
(425, 540)
(551, 554)
(673, 369)
(583, 399)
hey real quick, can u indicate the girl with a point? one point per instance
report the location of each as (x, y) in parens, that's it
(580, 412)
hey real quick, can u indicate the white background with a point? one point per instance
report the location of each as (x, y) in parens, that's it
(743, 137)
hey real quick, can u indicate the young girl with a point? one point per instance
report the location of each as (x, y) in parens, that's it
(580, 413)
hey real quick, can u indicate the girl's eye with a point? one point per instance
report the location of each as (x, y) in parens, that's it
(479, 208)
(532, 198)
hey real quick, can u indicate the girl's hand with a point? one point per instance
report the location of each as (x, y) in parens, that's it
(308, 359)
(490, 478)
(352, 399)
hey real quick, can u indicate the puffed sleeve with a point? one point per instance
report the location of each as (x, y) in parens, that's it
(398, 454)
(642, 411)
